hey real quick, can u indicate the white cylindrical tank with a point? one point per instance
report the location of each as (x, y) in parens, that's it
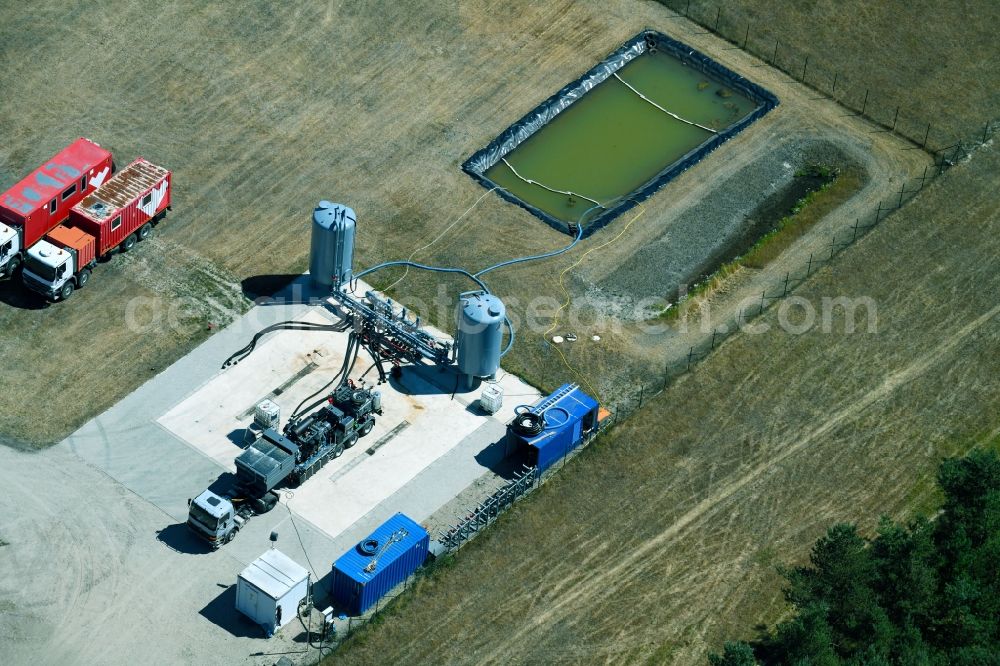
(331, 256)
(480, 333)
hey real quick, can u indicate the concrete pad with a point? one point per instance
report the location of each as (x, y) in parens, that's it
(422, 421)
(213, 418)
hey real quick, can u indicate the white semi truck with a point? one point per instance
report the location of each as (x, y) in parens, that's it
(288, 459)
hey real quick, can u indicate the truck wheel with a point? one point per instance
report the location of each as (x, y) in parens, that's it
(351, 440)
(229, 536)
(66, 291)
(338, 450)
(146, 231)
(269, 501)
(128, 243)
(367, 427)
(83, 278)
(13, 265)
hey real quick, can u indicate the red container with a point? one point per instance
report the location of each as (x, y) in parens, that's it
(43, 199)
(117, 209)
(74, 240)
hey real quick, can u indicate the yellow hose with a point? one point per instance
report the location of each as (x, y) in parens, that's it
(562, 286)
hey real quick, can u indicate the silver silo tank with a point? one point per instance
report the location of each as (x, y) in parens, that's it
(480, 332)
(331, 256)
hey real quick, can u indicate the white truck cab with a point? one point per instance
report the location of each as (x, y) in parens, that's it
(49, 270)
(214, 518)
(10, 250)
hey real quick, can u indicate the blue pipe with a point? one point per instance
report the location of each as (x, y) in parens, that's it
(521, 260)
(475, 277)
(510, 341)
(436, 269)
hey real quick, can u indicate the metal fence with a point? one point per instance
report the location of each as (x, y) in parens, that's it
(834, 84)
(527, 480)
(483, 515)
(786, 284)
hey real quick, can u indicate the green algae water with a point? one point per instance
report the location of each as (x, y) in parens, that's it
(611, 141)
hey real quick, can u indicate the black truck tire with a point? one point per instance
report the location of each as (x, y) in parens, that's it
(351, 440)
(82, 278)
(262, 505)
(12, 266)
(338, 450)
(366, 427)
(128, 243)
(145, 231)
(66, 291)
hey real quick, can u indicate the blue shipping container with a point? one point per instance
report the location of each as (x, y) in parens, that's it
(356, 589)
(567, 414)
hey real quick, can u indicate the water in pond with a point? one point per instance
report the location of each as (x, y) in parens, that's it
(611, 141)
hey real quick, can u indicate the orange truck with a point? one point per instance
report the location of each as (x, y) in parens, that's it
(117, 215)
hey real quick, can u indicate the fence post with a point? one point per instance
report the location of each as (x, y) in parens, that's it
(690, 354)
(902, 188)
(804, 66)
(926, 134)
(895, 118)
(784, 291)
(809, 267)
(878, 213)
(713, 338)
(718, 14)
(986, 131)
(762, 294)
(774, 57)
(834, 88)
(854, 237)
(864, 105)
(833, 245)
(923, 178)
(746, 38)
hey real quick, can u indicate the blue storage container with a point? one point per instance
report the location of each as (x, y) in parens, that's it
(563, 418)
(399, 547)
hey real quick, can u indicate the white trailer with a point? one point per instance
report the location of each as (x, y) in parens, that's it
(270, 589)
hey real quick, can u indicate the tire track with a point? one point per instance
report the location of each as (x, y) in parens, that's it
(629, 564)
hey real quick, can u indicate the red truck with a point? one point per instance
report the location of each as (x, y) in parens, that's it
(44, 198)
(118, 214)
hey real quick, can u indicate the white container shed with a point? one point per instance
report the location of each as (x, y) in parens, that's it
(269, 590)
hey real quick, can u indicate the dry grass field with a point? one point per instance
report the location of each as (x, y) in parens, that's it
(660, 541)
(937, 61)
(261, 112)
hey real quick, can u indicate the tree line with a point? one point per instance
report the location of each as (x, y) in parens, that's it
(923, 593)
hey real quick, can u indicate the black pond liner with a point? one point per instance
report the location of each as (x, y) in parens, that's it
(477, 165)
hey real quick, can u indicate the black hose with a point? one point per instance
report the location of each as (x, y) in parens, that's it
(377, 359)
(290, 325)
(344, 375)
(528, 423)
(352, 341)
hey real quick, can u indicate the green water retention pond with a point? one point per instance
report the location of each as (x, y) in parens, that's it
(611, 139)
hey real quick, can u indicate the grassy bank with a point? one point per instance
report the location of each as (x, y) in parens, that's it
(832, 188)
